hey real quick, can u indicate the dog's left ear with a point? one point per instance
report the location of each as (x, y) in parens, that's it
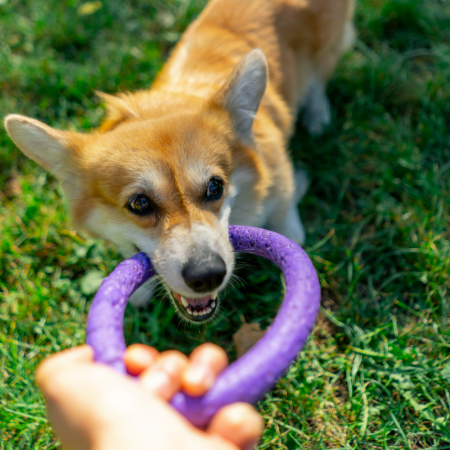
(244, 90)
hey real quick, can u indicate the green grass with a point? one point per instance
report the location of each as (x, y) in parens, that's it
(376, 372)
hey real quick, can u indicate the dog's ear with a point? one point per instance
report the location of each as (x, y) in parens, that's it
(118, 109)
(243, 91)
(52, 149)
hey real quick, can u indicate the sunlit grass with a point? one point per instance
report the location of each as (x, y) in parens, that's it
(376, 373)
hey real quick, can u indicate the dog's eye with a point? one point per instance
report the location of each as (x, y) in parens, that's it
(215, 189)
(141, 205)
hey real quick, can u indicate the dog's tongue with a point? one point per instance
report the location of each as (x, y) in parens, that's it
(200, 301)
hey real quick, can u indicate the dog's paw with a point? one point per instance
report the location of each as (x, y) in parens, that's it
(316, 109)
(317, 116)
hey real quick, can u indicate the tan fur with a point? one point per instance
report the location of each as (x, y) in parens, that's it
(169, 140)
(298, 37)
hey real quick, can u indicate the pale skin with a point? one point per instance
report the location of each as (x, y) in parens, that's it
(91, 407)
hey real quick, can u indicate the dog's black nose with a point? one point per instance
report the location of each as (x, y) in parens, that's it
(204, 274)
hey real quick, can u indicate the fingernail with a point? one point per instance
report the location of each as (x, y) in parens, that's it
(157, 381)
(200, 376)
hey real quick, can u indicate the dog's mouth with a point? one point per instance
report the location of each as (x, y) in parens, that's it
(198, 309)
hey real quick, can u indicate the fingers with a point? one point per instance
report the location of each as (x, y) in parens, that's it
(139, 357)
(71, 357)
(239, 424)
(91, 403)
(164, 376)
(205, 363)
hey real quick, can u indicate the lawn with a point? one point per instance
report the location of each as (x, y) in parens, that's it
(376, 372)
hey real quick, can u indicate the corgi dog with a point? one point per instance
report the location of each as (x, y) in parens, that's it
(206, 146)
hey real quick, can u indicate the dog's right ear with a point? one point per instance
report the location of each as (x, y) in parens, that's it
(52, 149)
(244, 90)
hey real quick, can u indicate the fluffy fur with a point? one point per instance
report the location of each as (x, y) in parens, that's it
(223, 106)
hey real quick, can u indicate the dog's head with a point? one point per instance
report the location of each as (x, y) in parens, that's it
(161, 185)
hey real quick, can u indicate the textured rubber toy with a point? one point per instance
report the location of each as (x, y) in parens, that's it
(256, 372)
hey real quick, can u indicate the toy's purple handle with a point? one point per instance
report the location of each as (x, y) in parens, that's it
(256, 372)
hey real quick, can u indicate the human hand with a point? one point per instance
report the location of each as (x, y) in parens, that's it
(91, 407)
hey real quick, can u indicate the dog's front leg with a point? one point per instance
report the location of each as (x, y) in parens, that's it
(316, 109)
(285, 217)
(142, 296)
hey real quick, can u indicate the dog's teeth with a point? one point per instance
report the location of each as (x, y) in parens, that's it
(184, 302)
(214, 296)
(208, 309)
(195, 313)
(190, 311)
(213, 304)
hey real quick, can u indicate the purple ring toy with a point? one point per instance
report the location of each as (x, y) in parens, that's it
(256, 372)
